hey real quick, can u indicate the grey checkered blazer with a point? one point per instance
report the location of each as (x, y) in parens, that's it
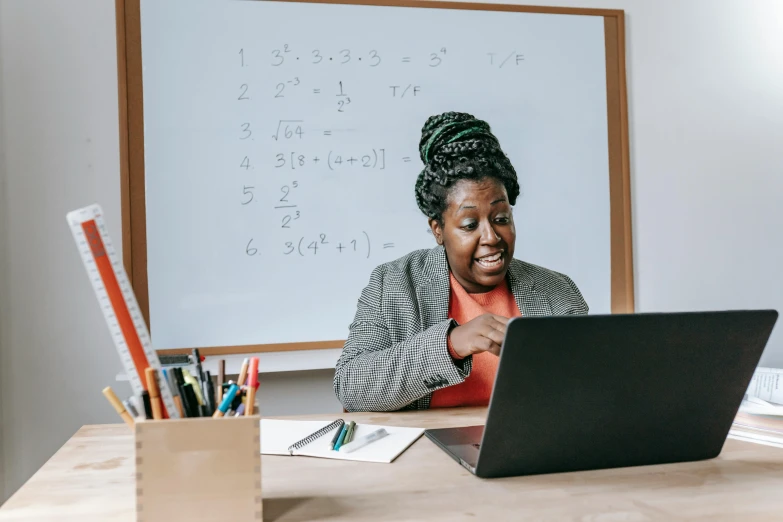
(396, 353)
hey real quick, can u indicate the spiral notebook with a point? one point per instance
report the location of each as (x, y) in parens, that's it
(312, 439)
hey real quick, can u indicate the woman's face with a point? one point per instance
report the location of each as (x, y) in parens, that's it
(478, 233)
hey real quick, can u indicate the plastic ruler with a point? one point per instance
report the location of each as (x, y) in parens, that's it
(117, 301)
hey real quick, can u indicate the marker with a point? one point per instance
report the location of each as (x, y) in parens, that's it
(341, 438)
(227, 400)
(119, 408)
(196, 386)
(337, 434)
(252, 384)
(180, 381)
(207, 407)
(190, 393)
(145, 398)
(363, 441)
(240, 411)
(152, 387)
(243, 372)
(210, 394)
(349, 434)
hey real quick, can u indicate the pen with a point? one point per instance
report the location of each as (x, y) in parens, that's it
(363, 441)
(337, 434)
(145, 398)
(227, 400)
(207, 407)
(190, 393)
(131, 408)
(240, 411)
(119, 408)
(341, 438)
(252, 384)
(221, 379)
(199, 368)
(243, 372)
(154, 393)
(349, 434)
(180, 381)
(168, 376)
(210, 394)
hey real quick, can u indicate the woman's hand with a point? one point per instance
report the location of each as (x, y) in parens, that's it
(483, 334)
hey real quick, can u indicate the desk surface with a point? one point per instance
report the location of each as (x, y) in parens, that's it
(91, 478)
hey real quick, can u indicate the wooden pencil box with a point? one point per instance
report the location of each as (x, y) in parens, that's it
(198, 469)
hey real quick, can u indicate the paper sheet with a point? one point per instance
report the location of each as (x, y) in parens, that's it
(278, 435)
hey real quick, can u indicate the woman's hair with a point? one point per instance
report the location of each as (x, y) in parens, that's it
(456, 146)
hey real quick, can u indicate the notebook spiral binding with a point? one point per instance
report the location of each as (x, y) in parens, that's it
(318, 434)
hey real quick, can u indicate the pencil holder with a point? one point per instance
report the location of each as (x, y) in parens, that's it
(198, 469)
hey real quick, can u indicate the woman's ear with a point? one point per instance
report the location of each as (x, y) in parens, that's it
(437, 230)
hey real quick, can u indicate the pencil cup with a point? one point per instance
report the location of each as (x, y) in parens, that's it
(198, 469)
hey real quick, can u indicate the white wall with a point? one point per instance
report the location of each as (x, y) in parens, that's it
(60, 138)
(706, 105)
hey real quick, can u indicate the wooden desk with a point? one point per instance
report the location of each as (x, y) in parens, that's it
(91, 478)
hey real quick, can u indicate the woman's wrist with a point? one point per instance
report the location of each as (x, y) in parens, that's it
(452, 351)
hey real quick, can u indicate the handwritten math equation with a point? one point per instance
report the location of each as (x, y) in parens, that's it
(291, 151)
(304, 246)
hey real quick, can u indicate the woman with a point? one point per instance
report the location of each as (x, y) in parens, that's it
(429, 326)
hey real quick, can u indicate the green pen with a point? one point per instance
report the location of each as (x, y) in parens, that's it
(341, 438)
(349, 434)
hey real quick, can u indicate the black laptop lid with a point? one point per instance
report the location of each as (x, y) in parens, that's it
(590, 392)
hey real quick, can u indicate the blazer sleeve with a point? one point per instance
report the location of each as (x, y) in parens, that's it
(374, 373)
(580, 305)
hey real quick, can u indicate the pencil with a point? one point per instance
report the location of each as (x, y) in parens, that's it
(152, 387)
(243, 372)
(118, 406)
(221, 379)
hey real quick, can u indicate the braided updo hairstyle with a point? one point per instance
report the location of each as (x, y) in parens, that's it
(456, 146)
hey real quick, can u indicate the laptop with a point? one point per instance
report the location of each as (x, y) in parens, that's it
(591, 392)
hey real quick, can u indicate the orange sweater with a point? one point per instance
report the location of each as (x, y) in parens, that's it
(463, 307)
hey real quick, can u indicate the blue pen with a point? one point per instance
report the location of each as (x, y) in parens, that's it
(228, 398)
(341, 438)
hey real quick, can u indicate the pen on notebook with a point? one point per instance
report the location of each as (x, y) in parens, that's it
(145, 399)
(227, 400)
(252, 384)
(363, 441)
(210, 394)
(337, 434)
(243, 372)
(341, 438)
(349, 434)
(117, 405)
(221, 379)
(154, 391)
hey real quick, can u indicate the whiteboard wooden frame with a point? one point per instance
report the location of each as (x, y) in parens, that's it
(131, 117)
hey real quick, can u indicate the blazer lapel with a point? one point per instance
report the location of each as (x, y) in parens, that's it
(530, 301)
(433, 293)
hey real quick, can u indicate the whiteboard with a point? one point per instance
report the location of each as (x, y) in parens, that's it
(281, 152)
